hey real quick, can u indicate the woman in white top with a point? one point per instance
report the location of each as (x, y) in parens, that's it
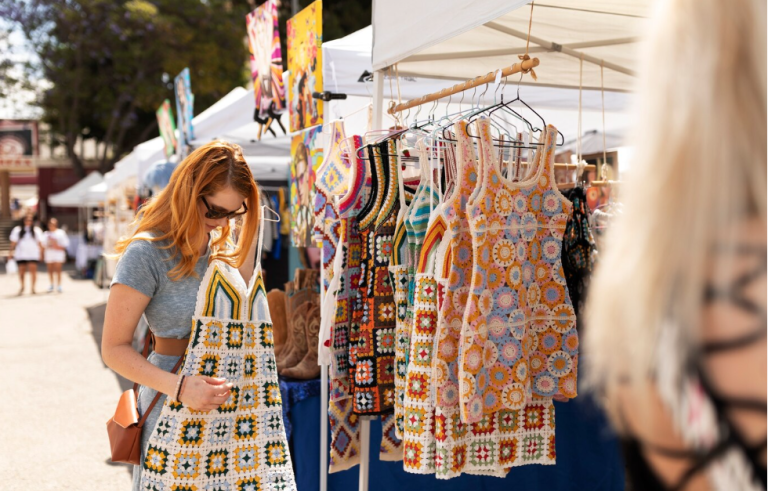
(56, 242)
(26, 249)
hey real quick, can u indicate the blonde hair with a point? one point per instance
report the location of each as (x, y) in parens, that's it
(174, 212)
(700, 166)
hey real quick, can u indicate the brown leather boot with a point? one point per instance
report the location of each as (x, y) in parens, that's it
(298, 323)
(308, 367)
(281, 355)
(276, 300)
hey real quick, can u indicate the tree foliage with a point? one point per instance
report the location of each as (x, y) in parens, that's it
(110, 63)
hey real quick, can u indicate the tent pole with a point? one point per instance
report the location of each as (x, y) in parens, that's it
(551, 46)
(323, 390)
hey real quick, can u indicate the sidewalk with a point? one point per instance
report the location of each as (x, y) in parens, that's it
(57, 392)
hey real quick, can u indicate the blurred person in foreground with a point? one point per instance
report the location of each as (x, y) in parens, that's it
(26, 249)
(675, 333)
(160, 270)
(55, 242)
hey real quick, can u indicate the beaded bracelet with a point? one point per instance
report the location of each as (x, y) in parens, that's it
(177, 392)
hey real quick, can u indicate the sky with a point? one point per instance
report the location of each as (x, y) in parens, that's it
(21, 103)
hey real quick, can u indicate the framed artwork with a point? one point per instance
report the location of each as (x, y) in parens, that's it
(266, 59)
(185, 108)
(306, 159)
(305, 38)
(167, 127)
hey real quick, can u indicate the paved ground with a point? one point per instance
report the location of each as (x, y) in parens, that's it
(57, 393)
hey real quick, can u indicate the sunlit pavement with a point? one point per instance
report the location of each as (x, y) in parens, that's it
(57, 394)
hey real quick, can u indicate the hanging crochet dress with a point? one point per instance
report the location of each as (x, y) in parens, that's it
(501, 440)
(332, 179)
(345, 424)
(518, 336)
(398, 272)
(418, 402)
(374, 343)
(416, 222)
(242, 444)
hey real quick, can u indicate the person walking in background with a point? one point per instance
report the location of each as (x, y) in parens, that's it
(675, 328)
(26, 249)
(55, 243)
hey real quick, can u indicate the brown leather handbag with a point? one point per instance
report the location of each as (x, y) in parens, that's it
(124, 428)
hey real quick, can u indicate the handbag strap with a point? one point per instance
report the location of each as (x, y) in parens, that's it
(145, 353)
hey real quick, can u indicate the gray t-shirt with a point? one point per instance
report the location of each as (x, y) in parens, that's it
(144, 267)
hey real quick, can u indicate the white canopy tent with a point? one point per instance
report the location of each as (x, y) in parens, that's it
(345, 60)
(347, 69)
(230, 112)
(79, 194)
(462, 40)
(268, 158)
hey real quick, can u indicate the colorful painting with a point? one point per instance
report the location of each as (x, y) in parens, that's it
(167, 127)
(306, 159)
(266, 59)
(185, 109)
(305, 38)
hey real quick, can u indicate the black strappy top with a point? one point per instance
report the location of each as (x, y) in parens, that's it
(639, 472)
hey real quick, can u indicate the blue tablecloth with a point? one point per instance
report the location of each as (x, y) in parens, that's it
(293, 392)
(588, 458)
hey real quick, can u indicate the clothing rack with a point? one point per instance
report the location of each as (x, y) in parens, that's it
(525, 66)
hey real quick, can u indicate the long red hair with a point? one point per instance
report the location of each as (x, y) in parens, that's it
(173, 214)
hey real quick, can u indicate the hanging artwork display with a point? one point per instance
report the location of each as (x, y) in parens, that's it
(305, 38)
(266, 59)
(185, 101)
(167, 127)
(306, 158)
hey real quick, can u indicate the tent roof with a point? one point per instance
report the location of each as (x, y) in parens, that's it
(231, 111)
(347, 59)
(462, 40)
(269, 158)
(592, 143)
(96, 193)
(77, 195)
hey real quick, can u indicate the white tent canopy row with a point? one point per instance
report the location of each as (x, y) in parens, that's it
(463, 40)
(90, 191)
(230, 112)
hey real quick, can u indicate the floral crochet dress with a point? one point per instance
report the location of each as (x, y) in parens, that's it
(518, 335)
(504, 439)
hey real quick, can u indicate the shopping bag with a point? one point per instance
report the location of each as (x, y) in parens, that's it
(11, 267)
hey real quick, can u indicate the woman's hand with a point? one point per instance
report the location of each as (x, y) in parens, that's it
(204, 393)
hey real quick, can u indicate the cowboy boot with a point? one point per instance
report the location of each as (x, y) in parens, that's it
(276, 300)
(294, 301)
(298, 327)
(308, 367)
(289, 343)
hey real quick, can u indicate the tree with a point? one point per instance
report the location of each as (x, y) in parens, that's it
(108, 64)
(111, 63)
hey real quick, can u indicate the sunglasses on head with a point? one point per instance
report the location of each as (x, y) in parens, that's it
(216, 214)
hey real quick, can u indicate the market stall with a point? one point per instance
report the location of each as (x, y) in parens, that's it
(585, 61)
(87, 195)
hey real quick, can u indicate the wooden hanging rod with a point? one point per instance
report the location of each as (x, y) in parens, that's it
(490, 77)
(559, 165)
(604, 184)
